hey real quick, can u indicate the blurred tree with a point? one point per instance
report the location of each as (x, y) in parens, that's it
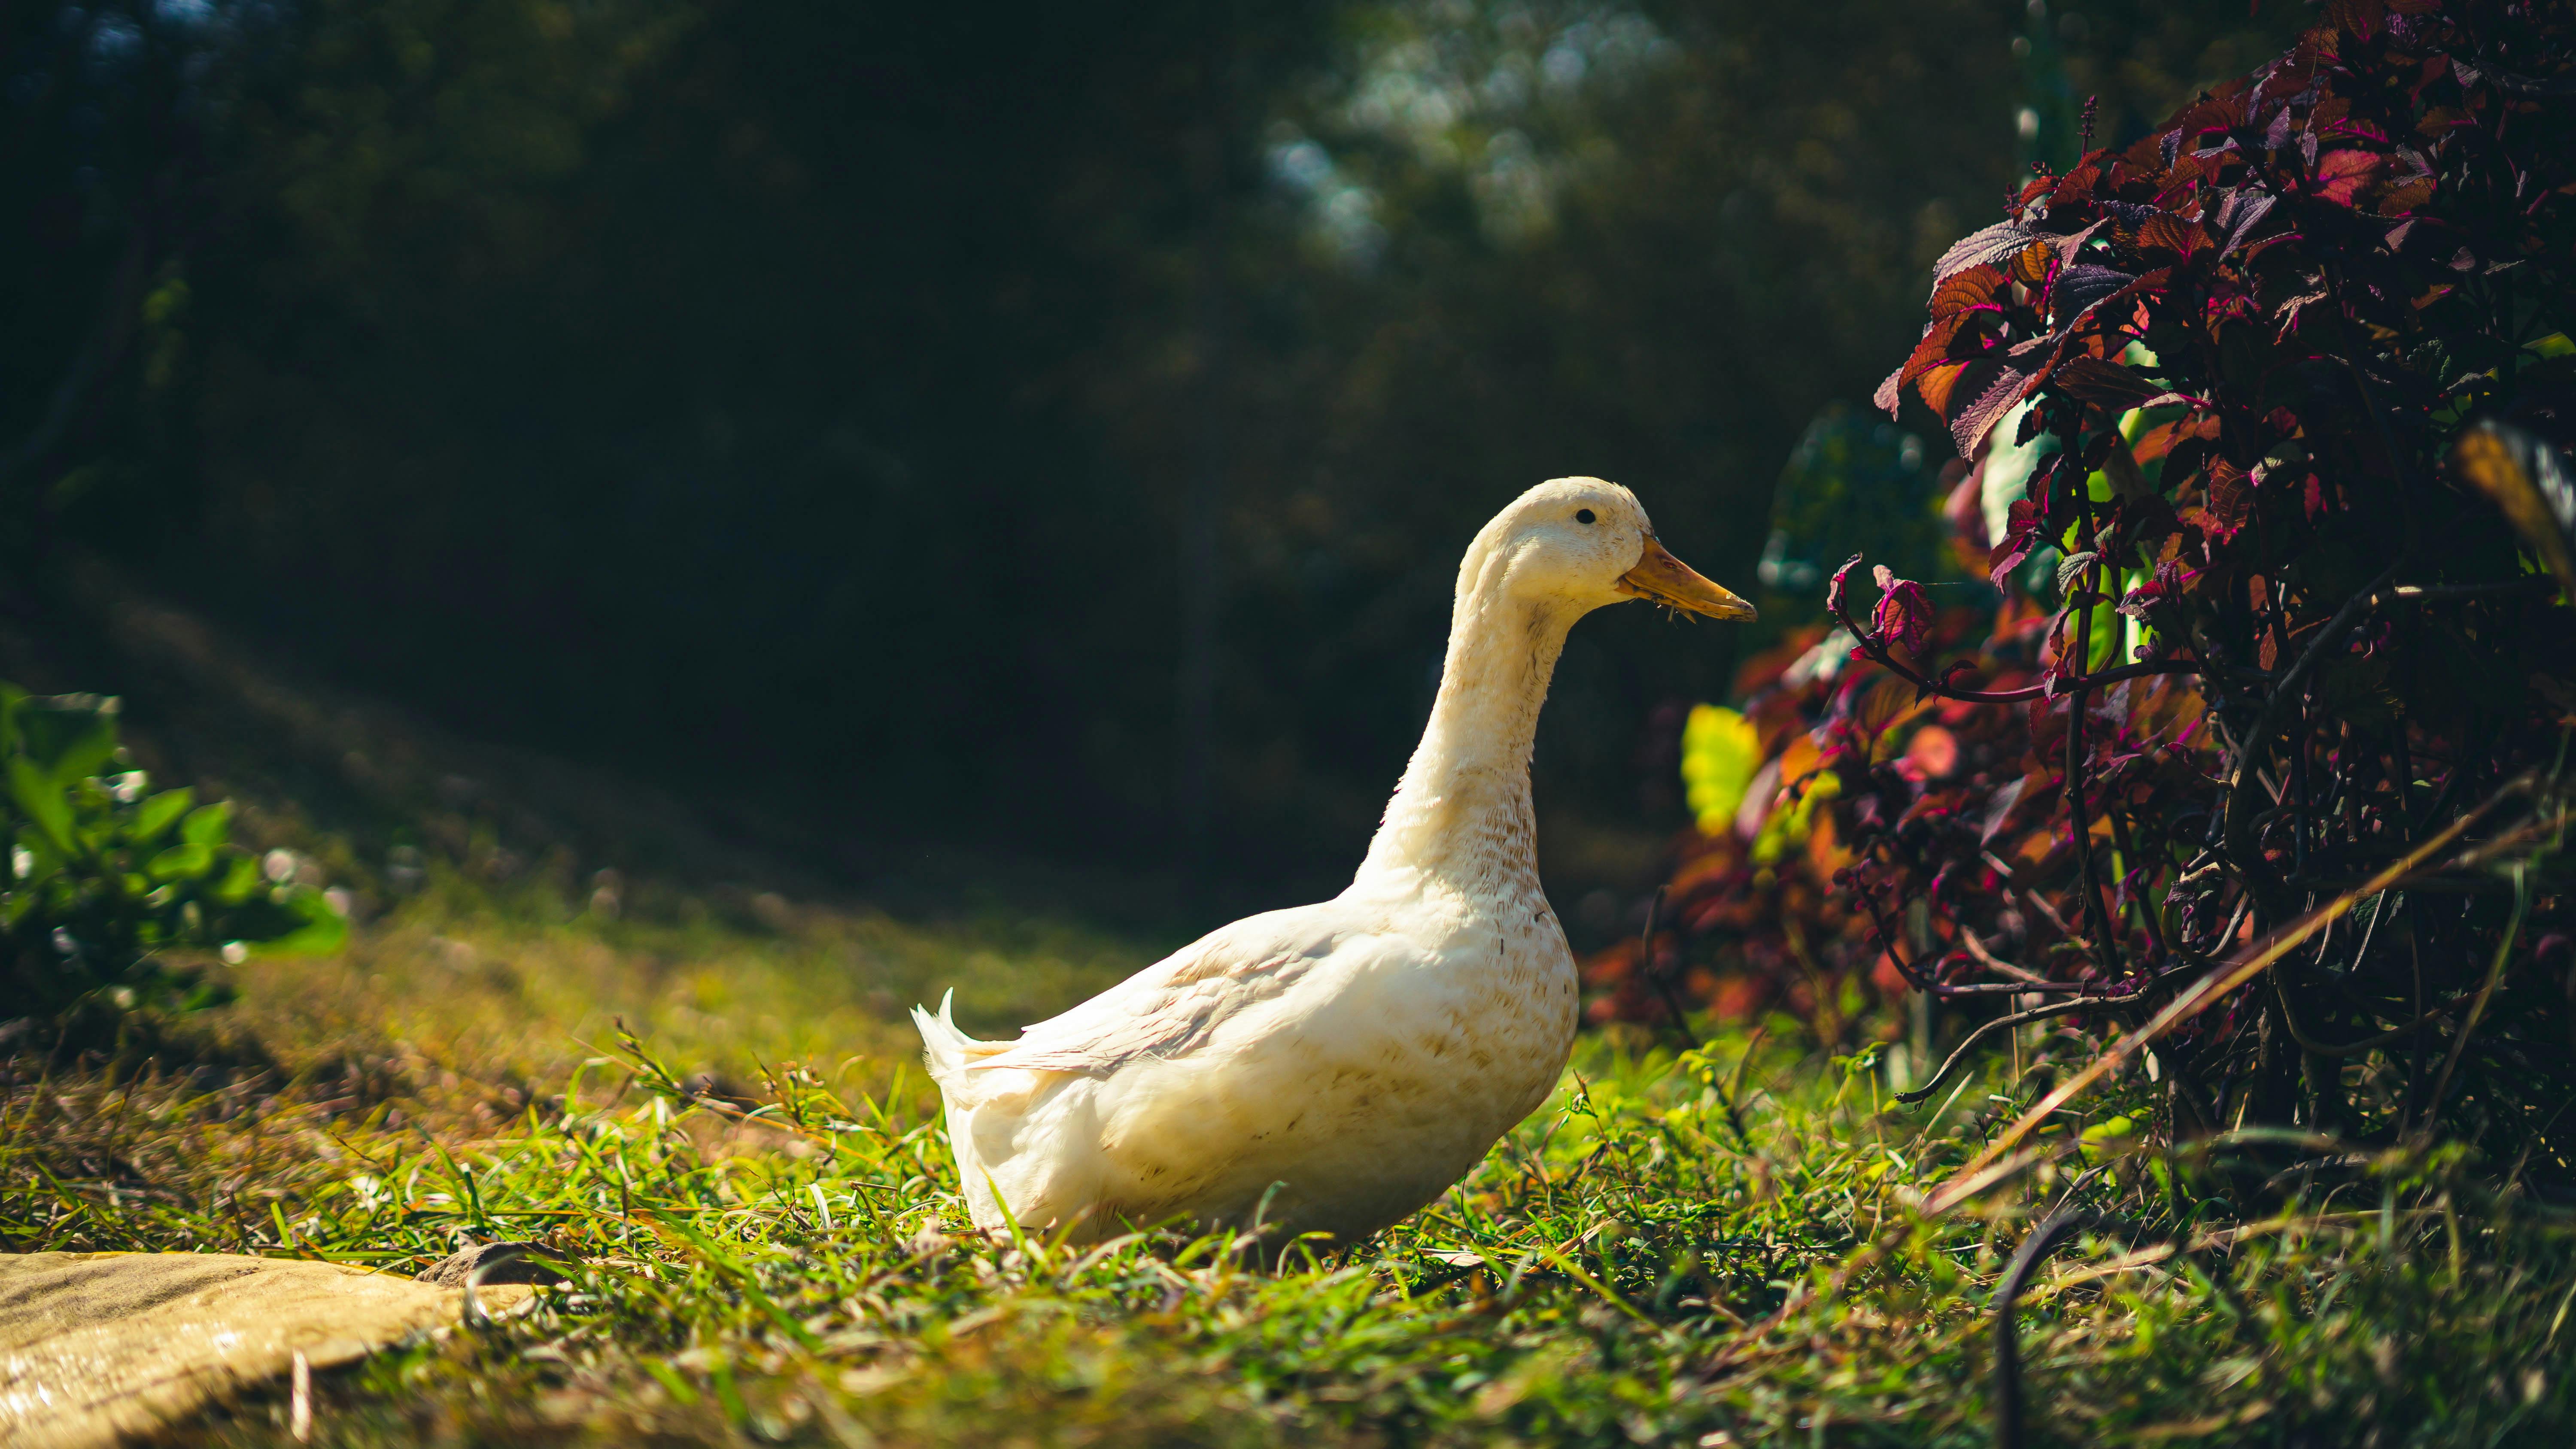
(808, 402)
(1645, 241)
(115, 115)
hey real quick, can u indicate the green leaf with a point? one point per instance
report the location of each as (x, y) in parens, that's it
(321, 930)
(2108, 1131)
(70, 736)
(209, 825)
(12, 700)
(95, 826)
(40, 799)
(240, 881)
(158, 813)
(186, 861)
(2531, 484)
(1721, 751)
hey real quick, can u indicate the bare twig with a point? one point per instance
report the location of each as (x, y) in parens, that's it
(2045, 1239)
(1876, 648)
(2029, 897)
(2256, 745)
(1982, 952)
(2486, 990)
(1646, 963)
(2212, 988)
(2006, 1023)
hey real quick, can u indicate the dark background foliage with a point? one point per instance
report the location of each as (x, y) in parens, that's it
(1047, 425)
(2278, 398)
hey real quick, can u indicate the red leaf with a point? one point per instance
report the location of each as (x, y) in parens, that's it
(2231, 502)
(2165, 583)
(1903, 618)
(1887, 399)
(2341, 176)
(1938, 383)
(1834, 588)
(2031, 265)
(2405, 196)
(1933, 350)
(2170, 233)
(2021, 530)
(2360, 18)
(2095, 380)
(1990, 245)
(2002, 387)
(1974, 287)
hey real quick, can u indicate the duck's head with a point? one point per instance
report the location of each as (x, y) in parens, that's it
(1584, 542)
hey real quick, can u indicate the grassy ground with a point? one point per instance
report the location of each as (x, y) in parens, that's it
(766, 1242)
(769, 1245)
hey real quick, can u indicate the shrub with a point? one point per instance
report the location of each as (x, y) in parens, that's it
(114, 897)
(2265, 415)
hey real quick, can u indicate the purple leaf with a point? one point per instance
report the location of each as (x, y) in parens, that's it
(1970, 424)
(1886, 399)
(2277, 135)
(2020, 532)
(1999, 808)
(2167, 582)
(2238, 215)
(1903, 617)
(2094, 380)
(1834, 589)
(1990, 245)
(2080, 286)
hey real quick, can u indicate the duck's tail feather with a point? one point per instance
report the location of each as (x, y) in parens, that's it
(945, 1050)
(943, 1045)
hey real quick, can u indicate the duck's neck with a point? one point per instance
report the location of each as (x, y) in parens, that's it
(1461, 817)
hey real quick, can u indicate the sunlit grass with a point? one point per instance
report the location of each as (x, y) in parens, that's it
(767, 1244)
(480, 985)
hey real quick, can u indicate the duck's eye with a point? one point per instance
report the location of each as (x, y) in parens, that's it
(1583, 515)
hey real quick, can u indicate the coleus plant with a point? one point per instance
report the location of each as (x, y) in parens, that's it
(2264, 780)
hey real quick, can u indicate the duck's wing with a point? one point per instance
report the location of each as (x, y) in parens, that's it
(1175, 1004)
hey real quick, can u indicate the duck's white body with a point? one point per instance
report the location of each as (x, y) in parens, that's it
(1333, 1067)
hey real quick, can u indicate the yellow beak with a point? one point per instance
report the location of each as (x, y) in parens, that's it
(1666, 580)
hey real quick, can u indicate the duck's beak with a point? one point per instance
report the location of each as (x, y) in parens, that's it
(1666, 580)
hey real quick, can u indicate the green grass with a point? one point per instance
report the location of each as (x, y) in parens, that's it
(787, 1260)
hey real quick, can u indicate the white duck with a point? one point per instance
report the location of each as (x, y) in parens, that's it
(1333, 1067)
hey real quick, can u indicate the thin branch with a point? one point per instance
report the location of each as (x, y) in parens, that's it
(2047, 912)
(2256, 745)
(2043, 1240)
(2478, 1008)
(1959, 1053)
(2535, 585)
(2214, 987)
(1978, 949)
(1646, 963)
(2147, 914)
(1869, 644)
